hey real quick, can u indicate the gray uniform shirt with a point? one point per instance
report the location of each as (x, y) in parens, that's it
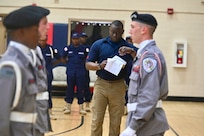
(27, 101)
(43, 123)
(148, 84)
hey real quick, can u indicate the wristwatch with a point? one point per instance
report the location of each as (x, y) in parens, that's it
(99, 66)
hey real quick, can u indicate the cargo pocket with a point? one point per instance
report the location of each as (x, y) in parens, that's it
(134, 81)
(31, 87)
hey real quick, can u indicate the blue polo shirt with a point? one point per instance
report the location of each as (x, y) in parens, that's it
(105, 48)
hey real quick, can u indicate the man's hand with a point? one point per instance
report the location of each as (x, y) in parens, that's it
(126, 50)
(103, 64)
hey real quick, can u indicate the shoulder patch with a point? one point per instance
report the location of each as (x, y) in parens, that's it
(65, 49)
(87, 49)
(55, 51)
(149, 64)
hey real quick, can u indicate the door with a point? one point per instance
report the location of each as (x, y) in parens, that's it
(2, 38)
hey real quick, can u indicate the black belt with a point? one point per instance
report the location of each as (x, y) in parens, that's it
(112, 81)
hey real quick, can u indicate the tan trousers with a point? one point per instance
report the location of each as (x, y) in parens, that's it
(111, 94)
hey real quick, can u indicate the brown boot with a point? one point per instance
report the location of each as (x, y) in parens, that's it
(87, 108)
(67, 108)
(81, 109)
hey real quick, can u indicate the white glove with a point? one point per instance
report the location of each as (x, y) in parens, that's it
(128, 132)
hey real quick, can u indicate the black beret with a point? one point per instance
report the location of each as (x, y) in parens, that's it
(144, 18)
(25, 17)
(40, 10)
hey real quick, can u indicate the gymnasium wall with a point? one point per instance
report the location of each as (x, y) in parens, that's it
(185, 25)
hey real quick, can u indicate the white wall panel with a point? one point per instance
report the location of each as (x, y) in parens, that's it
(187, 23)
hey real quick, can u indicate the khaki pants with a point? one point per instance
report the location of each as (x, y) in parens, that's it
(111, 94)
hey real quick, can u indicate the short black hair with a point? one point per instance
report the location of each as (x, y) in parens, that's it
(117, 23)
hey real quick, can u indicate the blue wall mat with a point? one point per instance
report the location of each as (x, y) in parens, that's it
(60, 35)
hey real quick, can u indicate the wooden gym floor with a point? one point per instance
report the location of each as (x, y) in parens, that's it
(185, 119)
